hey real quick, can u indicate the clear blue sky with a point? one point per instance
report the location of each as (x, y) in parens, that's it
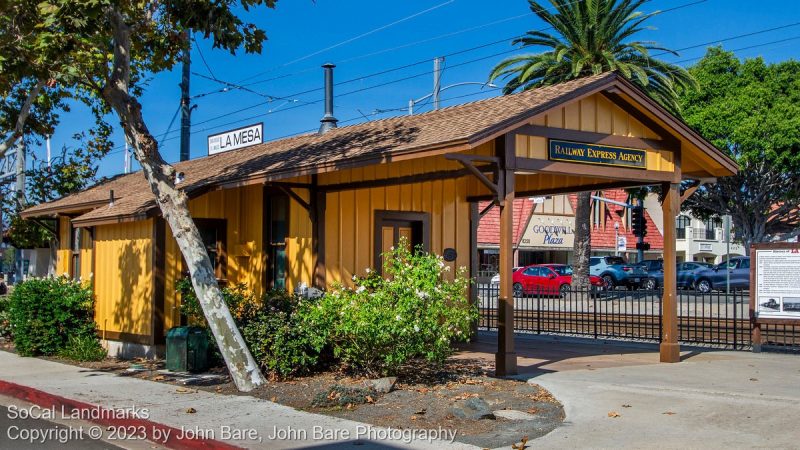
(300, 31)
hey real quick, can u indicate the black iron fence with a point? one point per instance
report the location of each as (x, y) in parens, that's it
(719, 319)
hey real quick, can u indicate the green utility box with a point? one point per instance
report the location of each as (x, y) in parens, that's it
(187, 349)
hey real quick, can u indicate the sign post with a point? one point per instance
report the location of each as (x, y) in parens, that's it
(774, 286)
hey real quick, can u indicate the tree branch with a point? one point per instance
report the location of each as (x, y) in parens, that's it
(23, 116)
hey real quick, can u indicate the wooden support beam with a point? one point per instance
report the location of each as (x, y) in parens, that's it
(294, 195)
(595, 171)
(506, 357)
(318, 200)
(594, 138)
(474, 221)
(407, 179)
(485, 210)
(669, 349)
(689, 191)
(157, 336)
(468, 161)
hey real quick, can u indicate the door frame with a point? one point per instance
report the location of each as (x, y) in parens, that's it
(400, 216)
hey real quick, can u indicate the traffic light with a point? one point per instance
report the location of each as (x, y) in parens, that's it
(643, 246)
(638, 223)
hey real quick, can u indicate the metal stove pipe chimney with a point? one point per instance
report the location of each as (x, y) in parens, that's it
(328, 122)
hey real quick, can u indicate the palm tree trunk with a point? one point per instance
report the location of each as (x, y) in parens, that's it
(583, 241)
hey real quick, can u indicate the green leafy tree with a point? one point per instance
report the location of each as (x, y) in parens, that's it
(105, 48)
(751, 110)
(591, 37)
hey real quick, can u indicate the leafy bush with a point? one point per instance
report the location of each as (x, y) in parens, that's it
(83, 348)
(270, 326)
(5, 316)
(45, 312)
(382, 323)
(279, 338)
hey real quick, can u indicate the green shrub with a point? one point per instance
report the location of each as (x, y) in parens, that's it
(83, 348)
(383, 322)
(270, 326)
(45, 312)
(279, 338)
(5, 318)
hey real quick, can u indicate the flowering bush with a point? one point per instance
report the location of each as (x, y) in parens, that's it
(410, 311)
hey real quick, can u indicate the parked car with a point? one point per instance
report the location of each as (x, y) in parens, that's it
(496, 278)
(716, 277)
(548, 279)
(651, 265)
(616, 272)
(687, 275)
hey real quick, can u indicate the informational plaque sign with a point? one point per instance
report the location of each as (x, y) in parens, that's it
(777, 283)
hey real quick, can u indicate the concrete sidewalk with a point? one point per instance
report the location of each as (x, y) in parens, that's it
(714, 399)
(166, 405)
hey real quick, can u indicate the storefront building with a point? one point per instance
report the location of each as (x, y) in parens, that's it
(545, 231)
(320, 208)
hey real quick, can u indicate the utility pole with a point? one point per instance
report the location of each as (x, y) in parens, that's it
(186, 110)
(48, 151)
(640, 236)
(127, 162)
(437, 80)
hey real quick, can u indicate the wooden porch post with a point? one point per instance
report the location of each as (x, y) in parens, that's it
(506, 357)
(670, 350)
(474, 221)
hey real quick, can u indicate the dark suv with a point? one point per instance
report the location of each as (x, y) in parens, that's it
(738, 268)
(616, 272)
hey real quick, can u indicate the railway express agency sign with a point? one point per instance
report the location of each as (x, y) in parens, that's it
(604, 155)
(238, 138)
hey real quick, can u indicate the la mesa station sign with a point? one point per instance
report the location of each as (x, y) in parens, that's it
(238, 138)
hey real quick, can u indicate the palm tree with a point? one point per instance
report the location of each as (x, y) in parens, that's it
(592, 37)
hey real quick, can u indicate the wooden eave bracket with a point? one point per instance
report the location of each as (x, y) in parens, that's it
(291, 193)
(468, 161)
(693, 188)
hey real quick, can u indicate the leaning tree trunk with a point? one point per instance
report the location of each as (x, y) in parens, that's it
(174, 208)
(583, 241)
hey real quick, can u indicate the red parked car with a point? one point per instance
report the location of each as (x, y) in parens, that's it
(548, 279)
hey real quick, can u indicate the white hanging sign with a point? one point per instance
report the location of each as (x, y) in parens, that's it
(238, 138)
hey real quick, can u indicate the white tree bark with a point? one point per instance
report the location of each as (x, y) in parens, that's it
(174, 208)
(24, 112)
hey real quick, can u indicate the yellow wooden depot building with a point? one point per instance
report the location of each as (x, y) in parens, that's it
(321, 207)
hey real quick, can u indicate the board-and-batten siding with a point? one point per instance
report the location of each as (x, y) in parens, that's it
(242, 210)
(598, 115)
(123, 280)
(350, 214)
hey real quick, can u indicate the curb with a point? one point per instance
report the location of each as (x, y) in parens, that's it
(107, 417)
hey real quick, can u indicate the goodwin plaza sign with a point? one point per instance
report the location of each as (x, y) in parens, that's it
(597, 154)
(238, 138)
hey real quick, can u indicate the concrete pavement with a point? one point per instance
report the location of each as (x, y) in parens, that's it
(713, 399)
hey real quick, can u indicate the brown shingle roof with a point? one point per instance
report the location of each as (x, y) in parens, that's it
(378, 140)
